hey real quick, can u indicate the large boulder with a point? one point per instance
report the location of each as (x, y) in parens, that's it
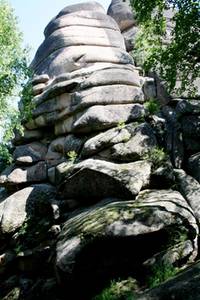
(30, 153)
(78, 67)
(67, 29)
(99, 117)
(68, 103)
(185, 107)
(79, 56)
(27, 136)
(142, 142)
(107, 139)
(174, 137)
(100, 241)
(93, 75)
(190, 125)
(121, 12)
(63, 145)
(24, 204)
(190, 189)
(90, 5)
(94, 179)
(78, 35)
(190, 121)
(24, 175)
(194, 166)
(81, 18)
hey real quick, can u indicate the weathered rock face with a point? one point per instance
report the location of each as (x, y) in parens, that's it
(97, 179)
(100, 236)
(84, 83)
(23, 204)
(90, 195)
(123, 13)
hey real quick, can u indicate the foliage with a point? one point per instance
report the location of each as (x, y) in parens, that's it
(121, 124)
(160, 273)
(180, 57)
(12, 123)
(5, 156)
(26, 100)
(13, 73)
(118, 290)
(152, 106)
(163, 270)
(72, 156)
(13, 61)
(32, 231)
(157, 156)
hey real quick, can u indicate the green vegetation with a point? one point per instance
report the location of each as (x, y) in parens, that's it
(121, 124)
(157, 156)
(32, 232)
(26, 97)
(180, 57)
(6, 157)
(118, 290)
(72, 156)
(13, 73)
(127, 289)
(160, 273)
(152, 106)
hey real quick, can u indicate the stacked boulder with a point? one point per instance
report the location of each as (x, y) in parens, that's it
(188, 117)
(83, 182)
(85, 83)
(122, 13)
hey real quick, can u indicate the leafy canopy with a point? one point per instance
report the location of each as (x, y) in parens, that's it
(179, 58)
(13, 73)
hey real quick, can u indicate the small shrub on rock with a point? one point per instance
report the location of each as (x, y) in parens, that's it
(152, 106)
(160, 273)
(121, 124)
(157, 156)
(118, 290)
(72, 156)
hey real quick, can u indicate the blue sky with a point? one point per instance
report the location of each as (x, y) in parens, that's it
(33, 16)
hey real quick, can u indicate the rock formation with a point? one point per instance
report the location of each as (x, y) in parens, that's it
(90, 186)
(124, 15)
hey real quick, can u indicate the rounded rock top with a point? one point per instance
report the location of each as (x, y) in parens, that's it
(92, 5)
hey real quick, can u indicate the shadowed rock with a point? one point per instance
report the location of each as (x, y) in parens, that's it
(84, 236)
(183, 286)
(97, 179)
(15, 209)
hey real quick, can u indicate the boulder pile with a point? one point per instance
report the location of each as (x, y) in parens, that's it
(97, 189)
